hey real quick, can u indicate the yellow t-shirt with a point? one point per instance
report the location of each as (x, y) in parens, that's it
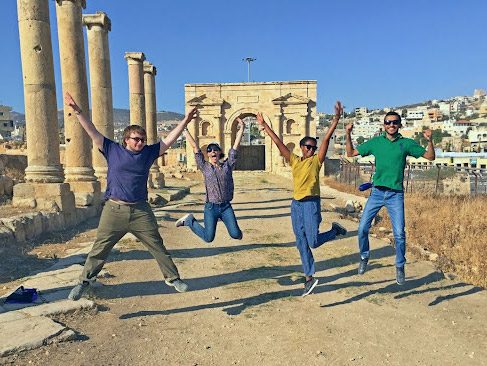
(306, 176)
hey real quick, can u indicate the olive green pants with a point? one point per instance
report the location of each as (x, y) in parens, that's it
(115, 221)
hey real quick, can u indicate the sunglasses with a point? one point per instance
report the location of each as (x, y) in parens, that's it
(212, 148)
(310, 147)
(138, 139)
(396, 122)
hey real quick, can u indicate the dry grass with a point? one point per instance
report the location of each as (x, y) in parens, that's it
(344, 187)
(454, 227)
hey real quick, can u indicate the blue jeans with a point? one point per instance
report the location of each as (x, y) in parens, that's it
(306, 218)
(213, 212)
(394, 202)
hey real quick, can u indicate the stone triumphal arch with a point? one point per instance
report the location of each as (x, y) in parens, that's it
(289, 107)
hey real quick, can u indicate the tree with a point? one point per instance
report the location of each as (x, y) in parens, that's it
(360, 140)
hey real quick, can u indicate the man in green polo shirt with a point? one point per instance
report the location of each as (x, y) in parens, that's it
(390, 150)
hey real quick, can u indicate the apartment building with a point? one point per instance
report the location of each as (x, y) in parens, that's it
(6, 124)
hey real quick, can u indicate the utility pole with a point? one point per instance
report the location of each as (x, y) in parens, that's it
(248, 60)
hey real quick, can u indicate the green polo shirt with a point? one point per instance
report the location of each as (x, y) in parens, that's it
(390, 158)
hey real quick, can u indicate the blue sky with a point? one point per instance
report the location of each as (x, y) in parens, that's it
(363, 52)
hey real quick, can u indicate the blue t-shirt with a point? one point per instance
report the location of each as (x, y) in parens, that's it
(128, 171)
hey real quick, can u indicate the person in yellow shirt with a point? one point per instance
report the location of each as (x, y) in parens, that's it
(306, 205)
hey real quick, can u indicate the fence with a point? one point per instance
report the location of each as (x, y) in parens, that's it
(431, 178)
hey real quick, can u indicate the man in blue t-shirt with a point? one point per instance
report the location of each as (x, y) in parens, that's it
(126, 208)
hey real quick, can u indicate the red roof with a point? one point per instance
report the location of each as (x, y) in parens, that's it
(464, 121)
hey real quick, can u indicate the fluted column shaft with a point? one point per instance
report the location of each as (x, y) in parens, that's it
(39, 93)
(136, 87)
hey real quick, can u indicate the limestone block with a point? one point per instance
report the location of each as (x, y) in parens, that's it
(155, 199)
(38, 222)
(83, 199)
(349, 206)
(51, 189)
(24, 202)
(80, 214)
(8, 185)
(6, 236)
(66, 203)
(17, 226)
(48, 204)
(55, 220)
(24, 190)
(70, 217)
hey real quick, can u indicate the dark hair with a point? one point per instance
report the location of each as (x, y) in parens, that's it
(132, 128)
(392, 114)
(222, 154)
(306, 138)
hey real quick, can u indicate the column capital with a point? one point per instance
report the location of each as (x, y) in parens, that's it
(100, 18)
(149, 68)
(81, 3)
(134, 58)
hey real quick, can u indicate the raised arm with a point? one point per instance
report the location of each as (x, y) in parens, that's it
(240, 132)
(326, 139)
(177, 131)
(85, 122)
(191, 140)
(430, 150)
(282, 148)
(349, 146)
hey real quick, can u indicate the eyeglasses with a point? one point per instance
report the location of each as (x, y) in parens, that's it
(212, 148)
(138, 139)
(310, 147)
(396, 122)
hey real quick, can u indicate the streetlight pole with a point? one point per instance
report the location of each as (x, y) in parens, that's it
(248, 60)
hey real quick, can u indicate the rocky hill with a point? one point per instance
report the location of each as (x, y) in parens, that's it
(120, 117)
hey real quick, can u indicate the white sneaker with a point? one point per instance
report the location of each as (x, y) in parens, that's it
(182, 220)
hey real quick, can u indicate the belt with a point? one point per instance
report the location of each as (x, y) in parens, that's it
(385, 189)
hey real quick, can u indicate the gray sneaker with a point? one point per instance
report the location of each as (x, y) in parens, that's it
(400, 275)
(309, 286)
(179, 285)
(339, 229)
(362, 266)
(78, 290)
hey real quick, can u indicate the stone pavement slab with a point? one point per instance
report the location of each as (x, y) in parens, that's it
(29, 333)
(59, 307)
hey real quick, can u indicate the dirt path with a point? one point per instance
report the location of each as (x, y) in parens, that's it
(245, 307)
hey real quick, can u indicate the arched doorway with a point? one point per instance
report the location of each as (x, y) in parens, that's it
(252, 148)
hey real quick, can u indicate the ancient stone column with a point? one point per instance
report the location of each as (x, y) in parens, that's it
(44, 187)
(156, 178)
(303, 125)
(136, 87)
(97, 27)
(78, 166)
(39, 93)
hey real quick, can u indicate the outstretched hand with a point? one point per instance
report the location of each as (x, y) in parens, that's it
(349, 128)
(241, 123)
(193, 113)
(338, 110)
(69, 101)
(427, 134)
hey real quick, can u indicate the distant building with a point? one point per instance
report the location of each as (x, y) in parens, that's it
(6, 124)
(478, 140)
(321, 119)
(360, 112)
(434, 115)
(479, 93)
(415, 114)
